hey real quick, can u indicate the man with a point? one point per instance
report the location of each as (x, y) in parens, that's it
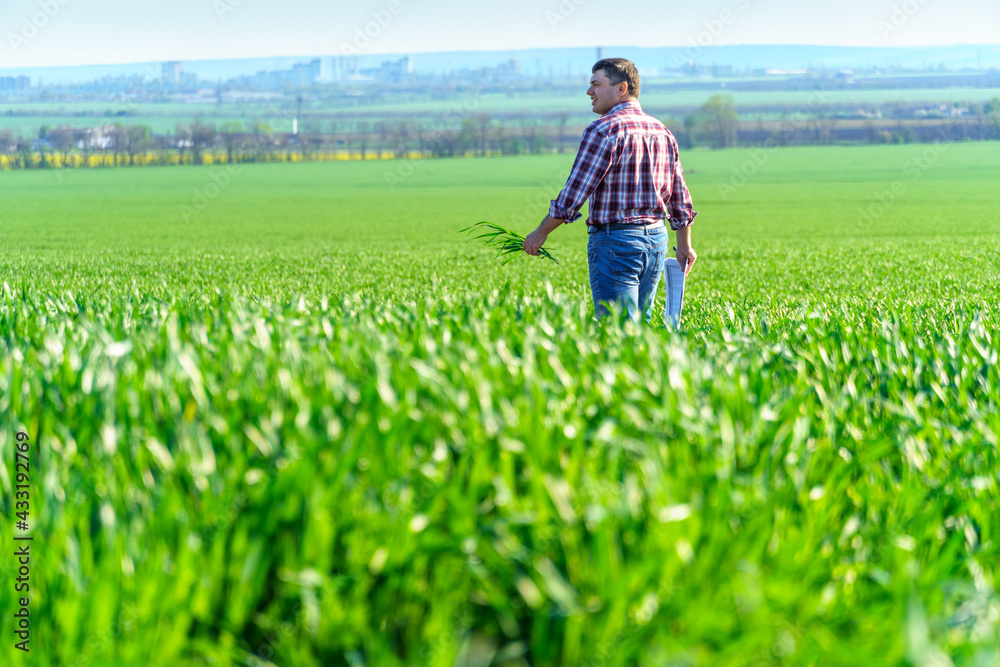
(629, 167)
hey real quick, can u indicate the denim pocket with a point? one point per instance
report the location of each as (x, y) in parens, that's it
(662, 246)
(626, 265)
(660, 258)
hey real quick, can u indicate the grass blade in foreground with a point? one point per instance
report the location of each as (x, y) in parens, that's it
(505, 241)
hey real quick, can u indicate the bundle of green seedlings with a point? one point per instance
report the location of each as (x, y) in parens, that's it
(506, 242)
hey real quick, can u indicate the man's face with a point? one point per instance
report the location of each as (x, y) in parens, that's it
(604, 94)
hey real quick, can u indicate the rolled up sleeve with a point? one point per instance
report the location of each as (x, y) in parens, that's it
(593, 161)
(679, 205)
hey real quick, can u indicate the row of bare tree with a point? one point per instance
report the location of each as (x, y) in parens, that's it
(715, 124)
(122, 142)
(121, 145)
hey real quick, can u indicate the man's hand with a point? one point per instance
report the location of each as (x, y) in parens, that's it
(536, 239)
(686, 256)
(685, 253)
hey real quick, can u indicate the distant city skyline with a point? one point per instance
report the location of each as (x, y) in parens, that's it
(51, 33)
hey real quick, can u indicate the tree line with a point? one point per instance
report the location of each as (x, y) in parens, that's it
(194, 143)
(716, 124)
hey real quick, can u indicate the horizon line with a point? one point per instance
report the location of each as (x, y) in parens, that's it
(486, 51)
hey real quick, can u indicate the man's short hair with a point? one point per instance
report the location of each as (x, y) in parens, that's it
(618, 70)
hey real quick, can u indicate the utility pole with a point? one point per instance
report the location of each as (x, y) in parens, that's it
(298, 115)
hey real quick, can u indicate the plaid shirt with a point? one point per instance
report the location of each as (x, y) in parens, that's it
(629, 167)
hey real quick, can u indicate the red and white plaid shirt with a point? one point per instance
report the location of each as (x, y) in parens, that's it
(629, 167)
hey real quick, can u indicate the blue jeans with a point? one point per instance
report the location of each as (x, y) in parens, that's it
(625, 268)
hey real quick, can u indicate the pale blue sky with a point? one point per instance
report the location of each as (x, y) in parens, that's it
(37, 33)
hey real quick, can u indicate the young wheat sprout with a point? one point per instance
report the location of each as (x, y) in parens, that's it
(505, 241)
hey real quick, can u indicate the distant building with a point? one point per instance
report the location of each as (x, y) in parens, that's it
(393, 71)
(301, 74)
(722, 71)
(345, 67)
(14, 84)
(318, 69)
(502, 73)
(509, 70)
(306, 73)
(97, 138)
(339, 68)
(172, 72)
(390, 71)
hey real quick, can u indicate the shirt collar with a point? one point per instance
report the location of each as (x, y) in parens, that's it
(627, 104)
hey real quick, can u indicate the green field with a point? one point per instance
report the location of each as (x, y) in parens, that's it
(654, 98)
(295, 418)
(29, 126)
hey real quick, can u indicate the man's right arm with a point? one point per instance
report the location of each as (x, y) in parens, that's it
(593, 161)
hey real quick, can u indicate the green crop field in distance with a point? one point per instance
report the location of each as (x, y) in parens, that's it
(290, 416)
(163, 117)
